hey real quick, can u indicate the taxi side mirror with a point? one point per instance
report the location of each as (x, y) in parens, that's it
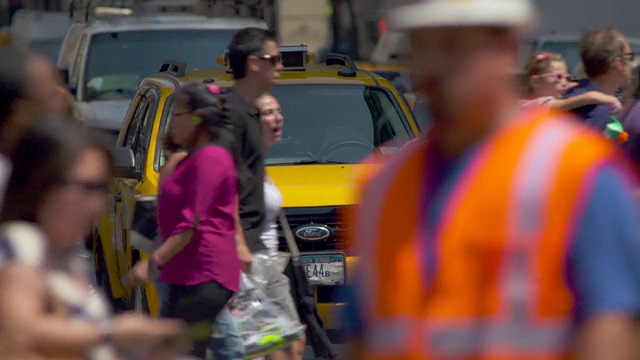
(124, 161)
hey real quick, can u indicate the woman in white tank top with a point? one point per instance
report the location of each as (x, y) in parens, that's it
(278, 289)
(272, 123)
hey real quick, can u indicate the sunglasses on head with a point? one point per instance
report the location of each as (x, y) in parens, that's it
(539, 59)
(273, 59)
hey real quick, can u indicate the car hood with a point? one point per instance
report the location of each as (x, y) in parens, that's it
(316, 185)
(104, 114)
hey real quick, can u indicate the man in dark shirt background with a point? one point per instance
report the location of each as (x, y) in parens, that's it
(607, 60)
(255, 63)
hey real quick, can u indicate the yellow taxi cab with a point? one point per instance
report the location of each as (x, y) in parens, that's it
(335, 116)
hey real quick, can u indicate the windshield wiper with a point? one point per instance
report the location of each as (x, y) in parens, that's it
(312, 162)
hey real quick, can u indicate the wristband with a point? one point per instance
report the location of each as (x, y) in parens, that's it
(155, 262)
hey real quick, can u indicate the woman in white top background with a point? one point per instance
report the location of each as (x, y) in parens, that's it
(277, 289)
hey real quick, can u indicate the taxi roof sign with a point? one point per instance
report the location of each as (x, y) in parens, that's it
(293, 57)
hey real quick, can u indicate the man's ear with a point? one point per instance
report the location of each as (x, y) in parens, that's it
(617, 64)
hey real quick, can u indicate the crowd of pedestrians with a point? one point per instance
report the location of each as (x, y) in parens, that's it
(213, 220)
(511, 232)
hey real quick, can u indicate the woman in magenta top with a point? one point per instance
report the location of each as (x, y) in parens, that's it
(197, 213)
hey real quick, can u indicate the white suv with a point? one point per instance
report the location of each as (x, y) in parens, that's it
(104, 60)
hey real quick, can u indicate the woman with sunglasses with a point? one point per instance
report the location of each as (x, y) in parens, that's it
(547, 80)
(57, 188)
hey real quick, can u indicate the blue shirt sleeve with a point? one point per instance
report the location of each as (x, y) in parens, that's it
(604, 262)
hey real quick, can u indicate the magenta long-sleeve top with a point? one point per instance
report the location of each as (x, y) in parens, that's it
(200, 195)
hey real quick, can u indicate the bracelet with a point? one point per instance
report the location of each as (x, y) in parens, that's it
(155, 262)
(106, 332)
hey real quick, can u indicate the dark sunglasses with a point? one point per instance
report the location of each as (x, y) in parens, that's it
(273, 59)
(98, 187)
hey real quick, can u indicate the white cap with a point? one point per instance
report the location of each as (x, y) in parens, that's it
(413, 14)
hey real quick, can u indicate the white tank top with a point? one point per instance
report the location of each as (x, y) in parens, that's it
(272, 205)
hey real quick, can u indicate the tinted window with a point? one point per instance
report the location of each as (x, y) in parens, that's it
(118, 62)
(336, 123)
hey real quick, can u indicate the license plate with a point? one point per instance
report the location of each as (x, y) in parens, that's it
(324, 269)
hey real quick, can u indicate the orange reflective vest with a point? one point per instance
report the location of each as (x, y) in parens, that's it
(498, 290)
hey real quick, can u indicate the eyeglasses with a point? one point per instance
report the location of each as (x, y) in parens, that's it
(556, 75)
(629, 56)
(95, 187)
(273, 59)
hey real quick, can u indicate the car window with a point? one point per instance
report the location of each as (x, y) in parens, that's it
(333, 123)
(341, 123)
(134, 126)
(139, 131)
(160, 157)
(108, 76)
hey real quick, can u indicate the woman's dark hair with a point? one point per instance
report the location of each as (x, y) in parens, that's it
(42, 162)
(213, 112)
(168, 144)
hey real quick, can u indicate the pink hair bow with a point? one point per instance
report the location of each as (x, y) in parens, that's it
(214, 89)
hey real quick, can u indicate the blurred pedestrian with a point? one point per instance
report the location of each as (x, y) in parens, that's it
(198, 213)
(255, 63)
(57, 188)
(28, 83)
(500, 234)
(547, 81)
(608, 62)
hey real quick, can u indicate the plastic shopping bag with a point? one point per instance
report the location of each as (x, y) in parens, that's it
(263, 326)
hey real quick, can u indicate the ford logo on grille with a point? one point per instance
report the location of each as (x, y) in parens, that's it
(313, 232)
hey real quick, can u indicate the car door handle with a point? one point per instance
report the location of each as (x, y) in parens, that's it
(117, 197)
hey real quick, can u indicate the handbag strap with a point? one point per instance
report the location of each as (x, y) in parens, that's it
(291, 242)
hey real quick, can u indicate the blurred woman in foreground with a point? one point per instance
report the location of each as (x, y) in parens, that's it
(57, 187)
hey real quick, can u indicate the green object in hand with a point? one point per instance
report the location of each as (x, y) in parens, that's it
(615, 131)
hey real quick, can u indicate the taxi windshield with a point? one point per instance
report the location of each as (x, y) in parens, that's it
(335, 124)
(118, 61)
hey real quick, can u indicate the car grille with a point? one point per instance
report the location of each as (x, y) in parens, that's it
(328, 216)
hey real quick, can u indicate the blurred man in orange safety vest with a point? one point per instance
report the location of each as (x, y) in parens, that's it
(505, 233)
